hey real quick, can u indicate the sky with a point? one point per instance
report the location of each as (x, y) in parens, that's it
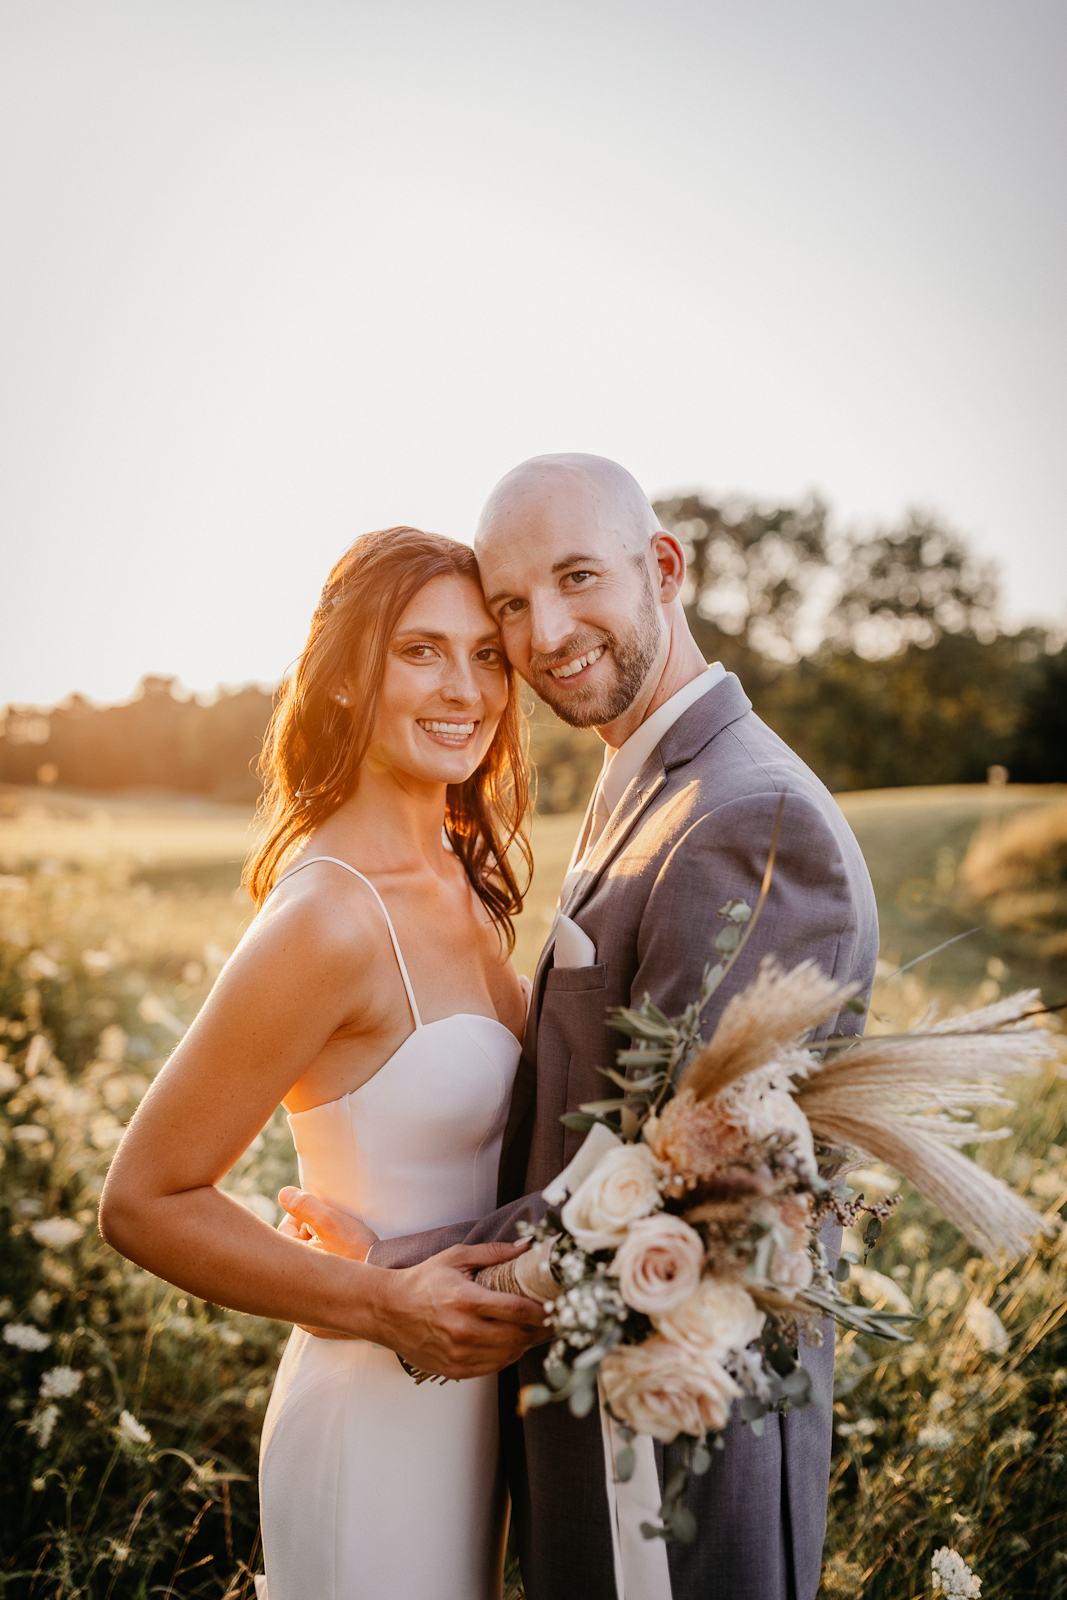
(275, 274)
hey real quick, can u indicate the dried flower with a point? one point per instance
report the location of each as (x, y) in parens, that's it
(658, 1264)
(26, 1337)
(660, 1389)
(622, 1187)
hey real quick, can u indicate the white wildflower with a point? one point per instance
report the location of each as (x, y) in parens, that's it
(944, 1287)
(29, 1133)
(120, 1552)
(953, 1576)
(57, 1232)
(936, 1437)
(987, 1328)
(59, 1383)
(130, 1431)
(43, 1424)
(25, 1337)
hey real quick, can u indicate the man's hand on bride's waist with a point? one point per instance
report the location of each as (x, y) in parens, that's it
(324, 1226)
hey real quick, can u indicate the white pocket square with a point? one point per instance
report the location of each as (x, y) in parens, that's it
(573, 947)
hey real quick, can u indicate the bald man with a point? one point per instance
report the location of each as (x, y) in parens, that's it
(587, 589)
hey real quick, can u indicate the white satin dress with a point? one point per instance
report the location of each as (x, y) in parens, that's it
(373, 1487)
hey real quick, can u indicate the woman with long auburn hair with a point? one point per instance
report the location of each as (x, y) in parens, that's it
(373, 996)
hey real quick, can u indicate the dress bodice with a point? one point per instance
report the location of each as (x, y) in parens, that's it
(418, 1145)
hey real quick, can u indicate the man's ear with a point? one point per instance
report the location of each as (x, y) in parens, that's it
(669, 557)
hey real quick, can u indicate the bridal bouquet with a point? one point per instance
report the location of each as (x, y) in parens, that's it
(681, 1257)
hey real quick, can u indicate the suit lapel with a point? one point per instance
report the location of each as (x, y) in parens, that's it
(620, 824)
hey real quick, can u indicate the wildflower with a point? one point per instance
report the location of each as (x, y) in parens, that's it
(120, 1552)
(988, 1330)
(952, 1575)
(944, 1287)
(29, 1133)
(59, 1383)
(43, 1424)
(25, 1337)
(57, 1232)
(131, 1432)
(936, 1437)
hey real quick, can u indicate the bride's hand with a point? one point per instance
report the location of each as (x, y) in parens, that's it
(326, 1228)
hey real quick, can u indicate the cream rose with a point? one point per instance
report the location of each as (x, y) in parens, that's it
(660, 1389)
(658, 1263)
(714, 1320)
(622, 1187)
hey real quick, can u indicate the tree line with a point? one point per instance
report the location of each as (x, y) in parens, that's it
(877, 657)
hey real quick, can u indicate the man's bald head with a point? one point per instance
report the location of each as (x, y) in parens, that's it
(585, 586)
(587, 490)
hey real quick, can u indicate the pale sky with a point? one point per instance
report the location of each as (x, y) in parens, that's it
(275, 274)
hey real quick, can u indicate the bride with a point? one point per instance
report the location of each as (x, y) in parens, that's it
(373, 996)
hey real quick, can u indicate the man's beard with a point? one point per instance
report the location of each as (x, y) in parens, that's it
(634, 654)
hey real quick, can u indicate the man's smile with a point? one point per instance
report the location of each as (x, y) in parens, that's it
(570, 669)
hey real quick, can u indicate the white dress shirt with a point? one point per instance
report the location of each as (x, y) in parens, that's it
(621, 766)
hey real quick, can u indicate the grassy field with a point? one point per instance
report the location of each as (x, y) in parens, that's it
(131, 1471)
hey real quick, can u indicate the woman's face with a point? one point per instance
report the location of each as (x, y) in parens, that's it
(445, 686)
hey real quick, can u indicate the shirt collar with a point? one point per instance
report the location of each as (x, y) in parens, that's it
(621, 768)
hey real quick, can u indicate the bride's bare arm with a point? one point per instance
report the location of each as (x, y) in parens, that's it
(281, 997)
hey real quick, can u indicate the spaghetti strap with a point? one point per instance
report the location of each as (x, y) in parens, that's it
(388, 920)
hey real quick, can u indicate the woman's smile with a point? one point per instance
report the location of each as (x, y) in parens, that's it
(444, 732)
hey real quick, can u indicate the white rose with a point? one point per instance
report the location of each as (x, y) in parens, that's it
(714, 1320)
(660, 1389)
(623, 1186)
(658, 1263)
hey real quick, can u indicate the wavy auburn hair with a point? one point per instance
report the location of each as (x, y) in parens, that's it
(314, 747)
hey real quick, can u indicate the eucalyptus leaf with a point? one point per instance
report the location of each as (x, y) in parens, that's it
(727, 939)
(857, 1006)
(701, 1460)
(751, 1408)
(684, 1525)
(582, 1400)
(625, 1462)
(842, 1270)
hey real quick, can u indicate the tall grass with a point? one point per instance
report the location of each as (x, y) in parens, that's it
(141, 1480)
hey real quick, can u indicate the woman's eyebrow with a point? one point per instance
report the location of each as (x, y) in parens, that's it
(492, 637)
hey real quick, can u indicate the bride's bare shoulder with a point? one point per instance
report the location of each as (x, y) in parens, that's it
(322, 916)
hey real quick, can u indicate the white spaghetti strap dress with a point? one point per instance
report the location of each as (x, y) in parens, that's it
(373, 1487)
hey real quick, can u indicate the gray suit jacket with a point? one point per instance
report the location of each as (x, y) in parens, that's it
(692, 831)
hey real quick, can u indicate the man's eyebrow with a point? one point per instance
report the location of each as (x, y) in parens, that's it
(574, 561)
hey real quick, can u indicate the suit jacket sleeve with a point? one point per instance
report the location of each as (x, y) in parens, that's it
(809, 911)
(410, 1249)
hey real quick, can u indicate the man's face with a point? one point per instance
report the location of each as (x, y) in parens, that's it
(575, 605)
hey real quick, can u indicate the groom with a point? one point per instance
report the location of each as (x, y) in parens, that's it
(587, 588)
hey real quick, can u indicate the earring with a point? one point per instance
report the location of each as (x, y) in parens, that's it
(342, 699)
